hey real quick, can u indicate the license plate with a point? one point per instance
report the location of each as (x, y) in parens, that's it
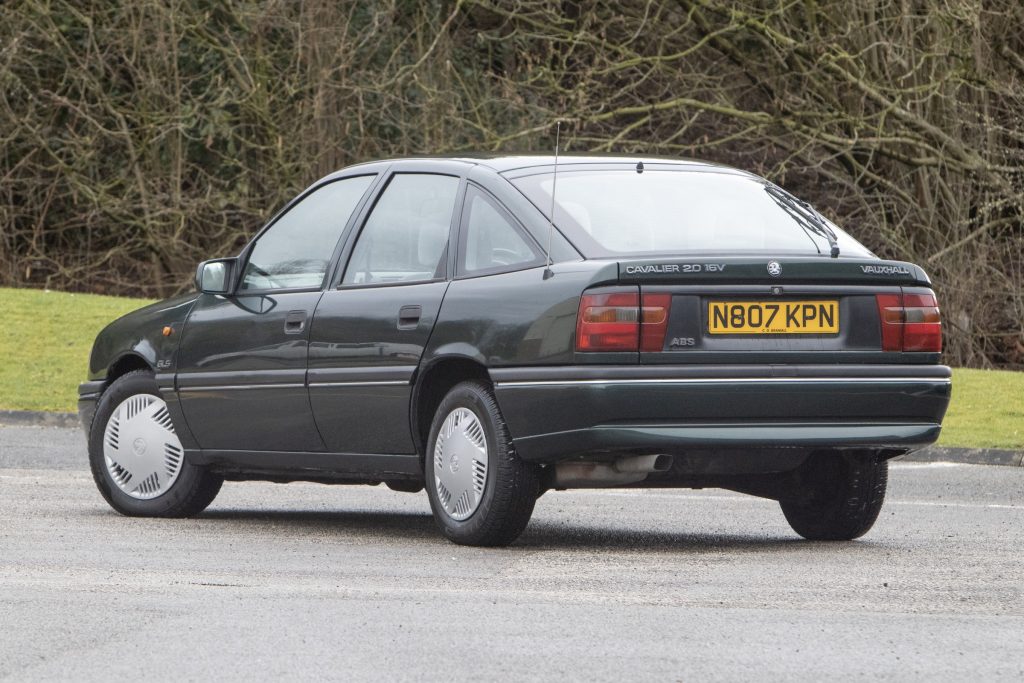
(773, 317)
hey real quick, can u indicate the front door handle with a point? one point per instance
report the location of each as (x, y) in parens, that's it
(409, 317)
(294, 322)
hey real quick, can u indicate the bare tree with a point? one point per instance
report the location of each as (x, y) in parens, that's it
(138, 138)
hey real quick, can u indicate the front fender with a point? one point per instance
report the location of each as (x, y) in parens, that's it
(140, 333)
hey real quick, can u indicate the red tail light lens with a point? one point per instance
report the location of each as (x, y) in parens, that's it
(654, 321)
(922, 329)
(890, 314)
(608, 322)
(910, 321)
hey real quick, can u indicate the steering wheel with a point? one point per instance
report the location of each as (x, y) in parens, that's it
(262, 273)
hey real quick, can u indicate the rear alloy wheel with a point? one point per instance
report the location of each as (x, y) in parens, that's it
(840, 496)
(481, 493)
(137, 460)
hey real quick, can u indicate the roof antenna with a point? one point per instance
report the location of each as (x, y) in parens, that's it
(551, 217)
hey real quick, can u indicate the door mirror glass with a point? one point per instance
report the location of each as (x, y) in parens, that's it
(214, 277)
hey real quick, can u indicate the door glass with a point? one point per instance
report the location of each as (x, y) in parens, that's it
(296, 250)
(406, 235)
(491, 239)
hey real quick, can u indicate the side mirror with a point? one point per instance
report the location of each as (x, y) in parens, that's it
(215, 276)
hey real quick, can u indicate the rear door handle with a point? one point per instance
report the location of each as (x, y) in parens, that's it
(409, 317)
(294, 322)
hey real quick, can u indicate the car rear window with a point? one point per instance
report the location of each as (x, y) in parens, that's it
(612, 212)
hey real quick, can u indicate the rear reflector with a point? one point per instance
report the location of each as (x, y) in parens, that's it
(608, 322)
(910, 321)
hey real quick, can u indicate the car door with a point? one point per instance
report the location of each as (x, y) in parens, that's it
(241, 373)
(370, 330)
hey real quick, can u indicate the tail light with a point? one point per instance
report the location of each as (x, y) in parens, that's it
(910, 321)
(654, 321)
(608, 322)
(616, 321)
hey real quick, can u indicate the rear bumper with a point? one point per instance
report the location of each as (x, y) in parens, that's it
(556, 413)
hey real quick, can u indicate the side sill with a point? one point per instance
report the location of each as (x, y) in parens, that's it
(306, 465)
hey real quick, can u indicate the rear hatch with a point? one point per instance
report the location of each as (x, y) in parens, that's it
(783, 310)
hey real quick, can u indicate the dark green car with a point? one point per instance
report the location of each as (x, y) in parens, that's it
(422, 323)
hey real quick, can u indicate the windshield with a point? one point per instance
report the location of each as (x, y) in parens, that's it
(612, 212)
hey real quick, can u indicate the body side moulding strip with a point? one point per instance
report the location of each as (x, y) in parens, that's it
(727, 380)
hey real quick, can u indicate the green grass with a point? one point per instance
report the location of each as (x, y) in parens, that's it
(987, 410)
(45, 340)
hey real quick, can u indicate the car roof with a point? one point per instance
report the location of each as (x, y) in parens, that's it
(503, 163)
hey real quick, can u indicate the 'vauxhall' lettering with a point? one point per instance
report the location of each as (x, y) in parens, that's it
(886, 270)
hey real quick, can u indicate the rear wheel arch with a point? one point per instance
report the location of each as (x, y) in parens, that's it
(433, 382)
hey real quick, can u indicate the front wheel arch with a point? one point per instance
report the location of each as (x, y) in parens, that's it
(128, 362)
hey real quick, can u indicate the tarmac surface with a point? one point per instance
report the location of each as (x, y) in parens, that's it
(316, 582)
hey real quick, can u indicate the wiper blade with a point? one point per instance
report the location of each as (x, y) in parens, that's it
(805, 215)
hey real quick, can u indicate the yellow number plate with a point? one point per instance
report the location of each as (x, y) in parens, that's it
(773, 317)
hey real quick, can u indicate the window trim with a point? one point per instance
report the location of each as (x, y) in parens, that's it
(461, 273)
(246, 253)
(337, 279)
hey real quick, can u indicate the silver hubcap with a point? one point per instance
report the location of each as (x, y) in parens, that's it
(142, 452)
(460, 463)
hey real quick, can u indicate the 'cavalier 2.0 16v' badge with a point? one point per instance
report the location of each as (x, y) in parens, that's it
(774, 269)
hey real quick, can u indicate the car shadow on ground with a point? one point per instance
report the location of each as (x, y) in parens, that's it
(563, 537)
(408, 525)
(539, 536)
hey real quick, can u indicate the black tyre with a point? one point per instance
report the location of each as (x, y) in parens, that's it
(840, 496)
(481, 493)
(136, 458)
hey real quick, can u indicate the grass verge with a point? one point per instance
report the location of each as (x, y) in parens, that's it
(45, 340)
(46, 337)
(987, 410)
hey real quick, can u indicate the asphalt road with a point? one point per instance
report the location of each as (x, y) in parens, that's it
(302, 580)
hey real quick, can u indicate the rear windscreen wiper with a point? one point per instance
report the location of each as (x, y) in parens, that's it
(805, 215)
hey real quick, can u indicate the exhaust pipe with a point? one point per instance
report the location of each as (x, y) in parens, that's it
(627, 470)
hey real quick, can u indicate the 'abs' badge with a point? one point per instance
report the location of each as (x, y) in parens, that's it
(774, 269)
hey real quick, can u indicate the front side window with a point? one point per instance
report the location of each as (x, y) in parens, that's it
(491, 241)
(615, 212)
(405, 239)
(295, 251)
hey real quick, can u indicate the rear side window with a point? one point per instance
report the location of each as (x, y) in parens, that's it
(490, 239)
(295, 251)
(405, 239)
(614, 212)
